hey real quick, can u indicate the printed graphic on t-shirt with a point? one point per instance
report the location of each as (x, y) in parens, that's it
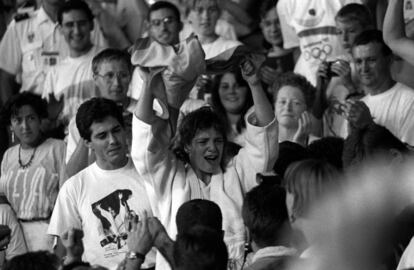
(112, 212)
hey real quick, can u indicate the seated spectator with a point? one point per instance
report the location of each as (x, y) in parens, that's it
(292, 98)
(33, 170)
(278, 59)
(231, 98)
(98, 198)
(307, 182)
(390, 103)
(266, 218)
(70, 83)
(194, 168)
(111, 70)
(337, 79)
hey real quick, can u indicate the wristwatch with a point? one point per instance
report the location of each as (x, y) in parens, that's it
(135, 256)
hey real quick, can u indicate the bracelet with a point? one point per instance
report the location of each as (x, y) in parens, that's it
(135, 256)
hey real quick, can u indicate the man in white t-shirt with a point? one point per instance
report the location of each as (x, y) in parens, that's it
(310, 25)
(102, 198)
(111, 70)
(391, 103)
(32, 45)
(70, 82)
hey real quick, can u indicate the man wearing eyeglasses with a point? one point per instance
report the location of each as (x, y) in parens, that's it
(111, 70)
(164, 25)
(70, 82)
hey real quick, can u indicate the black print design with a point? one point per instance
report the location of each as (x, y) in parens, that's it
(112, 211)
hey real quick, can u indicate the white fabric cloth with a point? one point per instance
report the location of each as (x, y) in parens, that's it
(407, 258)
(32, 191)
(218, 46)
(394, 110)
(170, 182)
(310, 25)
(30, 47)
(97, 201)
(72, 81)
(273, 251)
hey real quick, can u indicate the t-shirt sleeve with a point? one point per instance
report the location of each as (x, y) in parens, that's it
(17, 244)
(259, 153)
(72, 140)
(406, 129)
(65, 213)
(10, 51)
(290, 38)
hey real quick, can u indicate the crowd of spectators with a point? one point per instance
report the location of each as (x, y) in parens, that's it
(206, 134)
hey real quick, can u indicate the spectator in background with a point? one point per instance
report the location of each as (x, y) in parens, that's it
(292, 98)
(278, 60)
(70, 82)
(338, 79)
(308, 182)
(310, 25)
(164, 25)
(231, 99)
(111, 70)
(34, 169)
(30, 47)
(390, 103)
(266, 218)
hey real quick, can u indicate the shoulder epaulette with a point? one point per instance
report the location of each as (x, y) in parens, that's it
(21, 17)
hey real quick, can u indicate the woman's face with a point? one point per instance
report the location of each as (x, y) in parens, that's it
(289, 106)
(232, 95)
(206, 151)
(271, 28)
(26, 126)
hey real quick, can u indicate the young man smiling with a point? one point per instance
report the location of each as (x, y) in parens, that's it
(71, 82)
(100, 199)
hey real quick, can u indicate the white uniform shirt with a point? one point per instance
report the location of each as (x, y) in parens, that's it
(32, 46)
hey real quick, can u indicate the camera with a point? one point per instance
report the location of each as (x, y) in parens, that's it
(330, 72)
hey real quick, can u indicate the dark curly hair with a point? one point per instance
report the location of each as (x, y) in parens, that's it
(96, 110)
(295, 80)
(198, 120)
(218, 106)
(16, 102)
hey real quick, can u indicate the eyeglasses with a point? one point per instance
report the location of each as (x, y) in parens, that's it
(110, 76)
(167, 21)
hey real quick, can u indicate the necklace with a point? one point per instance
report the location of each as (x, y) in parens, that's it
(24, 166)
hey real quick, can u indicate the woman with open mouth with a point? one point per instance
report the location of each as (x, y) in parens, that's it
(191, 165)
